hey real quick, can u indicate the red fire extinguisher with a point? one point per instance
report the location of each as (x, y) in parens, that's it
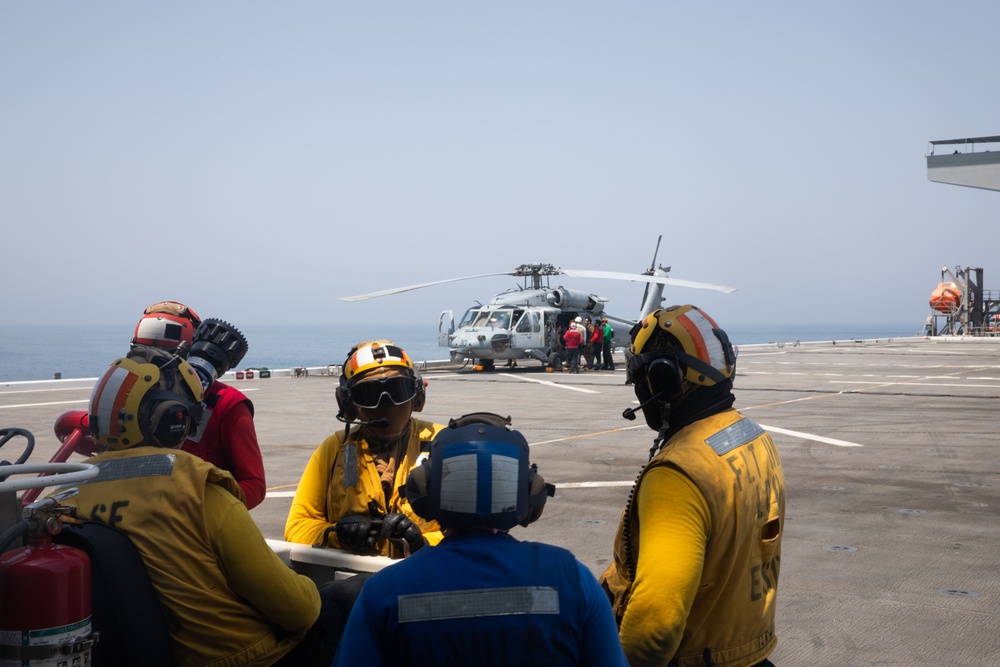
(44, 593)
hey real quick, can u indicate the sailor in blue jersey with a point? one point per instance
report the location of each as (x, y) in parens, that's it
(481, 597)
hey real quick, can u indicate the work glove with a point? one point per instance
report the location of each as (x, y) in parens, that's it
(355, 532)
(400, 527)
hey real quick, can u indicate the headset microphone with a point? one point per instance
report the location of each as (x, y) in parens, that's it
(629, 413)
(374, 423)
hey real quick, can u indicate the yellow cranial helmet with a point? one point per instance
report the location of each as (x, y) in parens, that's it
(702, 348)
(140, 401)
(364, 357)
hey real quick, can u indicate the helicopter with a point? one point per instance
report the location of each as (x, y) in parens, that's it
(527, 322)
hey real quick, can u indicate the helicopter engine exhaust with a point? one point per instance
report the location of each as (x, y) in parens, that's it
(561, 297)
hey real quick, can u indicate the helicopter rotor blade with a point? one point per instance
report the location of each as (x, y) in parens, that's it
(397, 290)
(676, 282)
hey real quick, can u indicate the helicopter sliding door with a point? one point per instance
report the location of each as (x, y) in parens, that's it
(528, 332)
(446, 327)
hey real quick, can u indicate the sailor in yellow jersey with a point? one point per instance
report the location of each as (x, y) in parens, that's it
(698, 550)
(228, 599)
(348, 496)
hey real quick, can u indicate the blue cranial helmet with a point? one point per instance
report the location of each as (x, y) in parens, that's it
(478, 475)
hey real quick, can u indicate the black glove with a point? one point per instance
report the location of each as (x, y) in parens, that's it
(355, 532)
(400, 527)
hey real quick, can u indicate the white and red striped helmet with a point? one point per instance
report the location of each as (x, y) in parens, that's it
(166, 324)
(703, 348)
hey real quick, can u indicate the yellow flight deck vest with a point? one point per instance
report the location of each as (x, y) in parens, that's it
(735, 465)
(156, 495)
(341, 479)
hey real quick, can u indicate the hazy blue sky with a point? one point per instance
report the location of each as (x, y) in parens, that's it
(260, 159)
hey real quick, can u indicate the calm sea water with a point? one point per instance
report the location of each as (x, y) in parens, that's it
(39, 352)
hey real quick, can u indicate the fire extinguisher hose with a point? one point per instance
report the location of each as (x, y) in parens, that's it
(13, 533)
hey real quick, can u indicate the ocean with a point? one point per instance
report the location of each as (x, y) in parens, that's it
(36, 352)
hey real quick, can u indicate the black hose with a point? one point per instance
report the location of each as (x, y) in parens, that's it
(16, 532)
(8, 433)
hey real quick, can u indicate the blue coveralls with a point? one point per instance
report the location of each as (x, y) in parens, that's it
(483, 599)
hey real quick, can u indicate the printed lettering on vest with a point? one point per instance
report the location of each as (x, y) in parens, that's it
(763, 578)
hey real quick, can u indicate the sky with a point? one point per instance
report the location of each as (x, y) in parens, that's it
(259, 160)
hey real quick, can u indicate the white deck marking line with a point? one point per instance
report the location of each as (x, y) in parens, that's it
(925, 384)
(566, 485)
(590, 485)
(36, 391)
(552, 384)
(587, 435)
(791, 400)
(809, 436)
(35, 405)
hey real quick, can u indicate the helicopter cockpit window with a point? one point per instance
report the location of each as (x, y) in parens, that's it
(470, 317)
(528, 322)
(500, 319)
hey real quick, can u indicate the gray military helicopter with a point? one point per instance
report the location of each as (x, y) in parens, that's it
(527, 322)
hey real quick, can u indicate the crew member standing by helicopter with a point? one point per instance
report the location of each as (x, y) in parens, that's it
(588, 343)
(609, 335)
(348, 496)
(574, 339)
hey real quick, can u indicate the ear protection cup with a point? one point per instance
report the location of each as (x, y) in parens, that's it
(420, 393)
(664, 376)
(417, 491)
(538, 492)
(664, 379)
(168, 421)
(345, 405)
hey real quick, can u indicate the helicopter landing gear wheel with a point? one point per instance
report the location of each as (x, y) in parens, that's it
(555, 361)
(486, 364)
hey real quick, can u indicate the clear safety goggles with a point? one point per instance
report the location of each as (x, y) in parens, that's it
(398, 389)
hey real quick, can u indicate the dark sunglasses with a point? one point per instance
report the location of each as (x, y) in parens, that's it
(368, 394)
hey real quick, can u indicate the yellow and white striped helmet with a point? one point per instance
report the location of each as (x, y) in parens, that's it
(375, 354)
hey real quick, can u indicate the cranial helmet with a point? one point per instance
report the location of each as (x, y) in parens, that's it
(366, 357)
(672, 350)
(147, 399)
(701, 347)
(478, 475)
(166, 324)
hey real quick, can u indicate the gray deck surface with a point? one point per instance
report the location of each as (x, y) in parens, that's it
(891, 454)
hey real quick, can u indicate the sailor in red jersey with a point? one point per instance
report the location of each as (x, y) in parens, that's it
(226, 436)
